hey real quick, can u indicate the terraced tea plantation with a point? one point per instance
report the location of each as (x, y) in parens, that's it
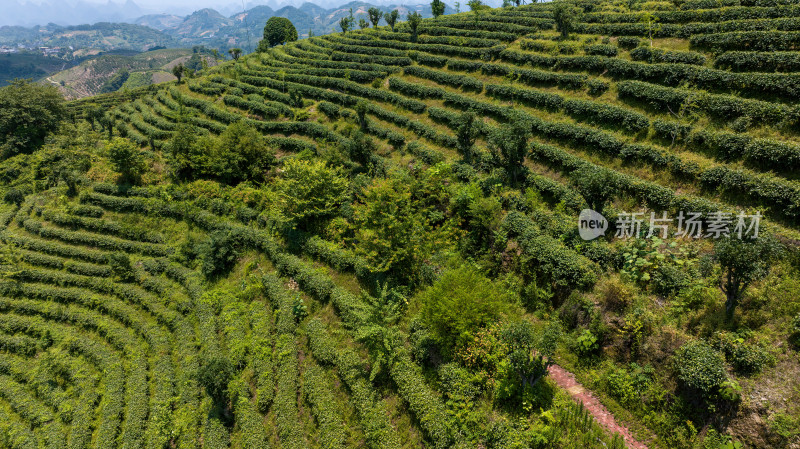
(370, 239)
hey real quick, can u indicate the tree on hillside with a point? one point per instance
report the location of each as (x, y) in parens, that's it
(743, 261)
(596, 185)
(28, 113)
(437, 8)
(509, 146)
(391, 18)
(178, 71)
(458, 7)
(235, 53)
(346, 23)
(363, 23)
(127, 160)
(460, 303)
(414, 19)
(466, 134)
(565, 16)
(278, 30)
(311, 191)
(650, 22)
(242, 154)
(94, 114)
(182, 150)
(476, 6)
(375, 16)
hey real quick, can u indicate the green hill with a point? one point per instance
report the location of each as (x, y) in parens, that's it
(110, 73)
(371, 239)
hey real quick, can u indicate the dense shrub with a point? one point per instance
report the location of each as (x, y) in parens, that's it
(628, 42)
(700, 368)
(460, 303)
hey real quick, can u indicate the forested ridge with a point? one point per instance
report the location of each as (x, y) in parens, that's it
(371, 238)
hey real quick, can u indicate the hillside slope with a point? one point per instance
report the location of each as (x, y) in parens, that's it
(371, 240)
(102, 75)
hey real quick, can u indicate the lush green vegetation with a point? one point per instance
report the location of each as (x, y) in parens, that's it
(369, 239)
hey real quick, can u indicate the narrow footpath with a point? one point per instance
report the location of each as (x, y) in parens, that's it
(566, 380)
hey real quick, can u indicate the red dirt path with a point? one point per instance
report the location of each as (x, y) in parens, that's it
(566, 380)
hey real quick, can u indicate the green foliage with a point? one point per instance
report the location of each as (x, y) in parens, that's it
(221, 252)
(437, 8)
(509, 146)
(121, 266)
(466, 133)
(413, 20)
(127, 160)
(214, 375)
(529, 354)
(665, 267)
(240, 154)
(461, 303)
(586, 344)
(375, 16)
(115, 83)
(391, 18)
(310, 191)
(28, 113)
(700, 368)
(747, 358)
(346, 23)
(179, 70)
(596, 185)
(743, 261)
(566, 17)
(278, 30)
(14, 196)
(395, 227)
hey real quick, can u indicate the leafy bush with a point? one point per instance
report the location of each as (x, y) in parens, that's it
(310, 191)
(746, 358)
(126, 159)
(221, 252)
(121, 265)
(597, 87)
(700, 368)
(460, 303)
(14, 196)
(628, 42)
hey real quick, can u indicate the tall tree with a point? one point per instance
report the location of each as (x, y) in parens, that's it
(363, 23)
(437, 8)
(566, 16)
(391, 18)
(94, 114)
(509, 146)
(278, 30)
(178, 71)
(235, 53)
(346, 23)
(466, 134)
(743, 261)
(127, 160)
(597, 185)
(414, 19)
(375, 16)
(28, 113)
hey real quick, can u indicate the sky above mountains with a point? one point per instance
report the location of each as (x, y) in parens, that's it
(77, 12)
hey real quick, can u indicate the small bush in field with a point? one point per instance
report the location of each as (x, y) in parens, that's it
(700, 368)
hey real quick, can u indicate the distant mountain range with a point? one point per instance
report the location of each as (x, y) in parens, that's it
(28, 13)
(206, 27)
